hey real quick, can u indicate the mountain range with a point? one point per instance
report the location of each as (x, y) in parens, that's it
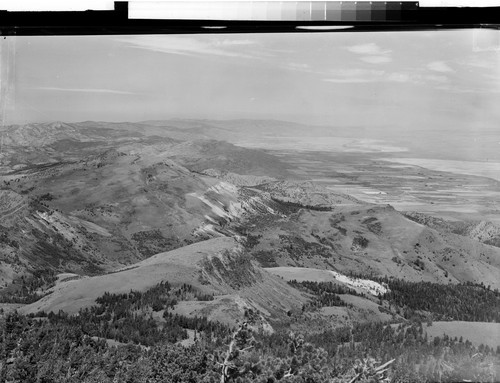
(123, 206)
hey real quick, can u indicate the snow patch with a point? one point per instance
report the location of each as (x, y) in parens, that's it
(207, 229)
(372, 287)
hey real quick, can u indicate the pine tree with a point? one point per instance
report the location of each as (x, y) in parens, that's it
(233, 365)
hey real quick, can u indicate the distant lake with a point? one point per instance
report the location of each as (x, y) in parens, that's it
(474, 168)
(327, 143)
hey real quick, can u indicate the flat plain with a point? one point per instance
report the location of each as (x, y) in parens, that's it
(426, 186)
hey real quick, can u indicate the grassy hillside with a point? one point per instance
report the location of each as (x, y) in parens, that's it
(96, 199)
(163, 232)
(476, 332)
(217, 267)
(91, 197)
(371, 239)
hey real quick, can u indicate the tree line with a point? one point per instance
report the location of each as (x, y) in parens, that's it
(325, 293)
(464, 302)
(58, 347)
(27, 289)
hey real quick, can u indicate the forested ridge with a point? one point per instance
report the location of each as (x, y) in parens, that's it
(128, 318)
(464, 302)
(325, 293)
(28, 288)
(468, 302)
(57, 347)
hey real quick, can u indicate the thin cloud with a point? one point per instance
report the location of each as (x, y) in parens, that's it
(355, 76)
(368, 49)
(349, 80)
(399, 77)
(300, 67)
(230, 42)
(476, 62)
(371, 53)
(376, 59)
(190, 46)
(463, 90)
(434, 78)
(416, 78)
(83, 90)
(439, 66)
(491, 87)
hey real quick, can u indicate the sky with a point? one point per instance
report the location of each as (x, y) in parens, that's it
(432, 78)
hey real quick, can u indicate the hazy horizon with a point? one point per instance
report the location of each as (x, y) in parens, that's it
(408, 79)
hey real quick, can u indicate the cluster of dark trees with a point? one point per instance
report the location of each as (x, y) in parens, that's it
(46, 197)
(417, 300)
(57, 348)
(34, 350)
(153, 242)
(296, 205)
(417, 358)
(465, 302)
(127, 327)
(325, 293)
(28, 288)
(160, 297)
(318, 288)
(6, 239)
(468, 301)
(128, 318)
(138, 328)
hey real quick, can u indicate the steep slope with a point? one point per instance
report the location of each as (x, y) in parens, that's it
(485, 232)
(482, 231)
(306, 194)
(371, 240)
(238, 179)
(217, 266)
(89, 197)
(101, 196)
(102, 211)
